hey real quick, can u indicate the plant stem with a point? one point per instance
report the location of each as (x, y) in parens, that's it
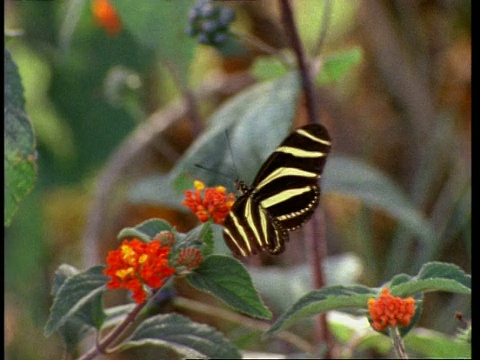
(317, 243)
(101, 347)
(307, 83)
(398, 344)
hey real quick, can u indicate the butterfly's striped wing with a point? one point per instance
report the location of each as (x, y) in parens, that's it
(284, 194)
(249, 229)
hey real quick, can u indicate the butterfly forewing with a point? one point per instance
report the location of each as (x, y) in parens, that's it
(284, 194)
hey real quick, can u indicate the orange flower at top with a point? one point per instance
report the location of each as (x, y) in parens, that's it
(214, 203)
(135, 264)
(391, 311)
(106, 16)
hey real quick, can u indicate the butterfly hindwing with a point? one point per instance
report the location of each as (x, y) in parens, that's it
(249, 229)
(284, 194)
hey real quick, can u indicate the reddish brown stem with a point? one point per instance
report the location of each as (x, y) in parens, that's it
(316, 228)
(307, 83)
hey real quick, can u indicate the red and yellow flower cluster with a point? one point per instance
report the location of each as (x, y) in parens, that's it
(135, 264)
(209, 203)
(390, 311)
(106, 16)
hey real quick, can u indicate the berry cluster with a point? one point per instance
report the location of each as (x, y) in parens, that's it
(209, 23)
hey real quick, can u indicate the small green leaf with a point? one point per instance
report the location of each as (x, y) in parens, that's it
(336, 66)
(195, 237)
(436, 269)
(20, 155)
(320, 301)
(72, 332)
(399, 279)
(180, 334)
(145, 231)
(207, 236)
(227, 279)
(79, 325)
(268, 68)
(435, 276)
(75, 297)
(63, 272)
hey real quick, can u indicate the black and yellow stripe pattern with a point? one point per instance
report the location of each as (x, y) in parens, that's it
(284, 194)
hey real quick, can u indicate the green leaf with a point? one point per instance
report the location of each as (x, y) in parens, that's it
(434, 345)
(20, 155)
(206, 235)
(268, 68)
(435, 276)
(145, 231)
(194, 237)
(256, 121)
(79, 325)
(355, 178)
(161, 25)
(343, 269)
(336, 66)
(320, 301)
(180, 334)
(91, 314)
(63, 272)
(399, 279)
(227, 279)
(75, 297)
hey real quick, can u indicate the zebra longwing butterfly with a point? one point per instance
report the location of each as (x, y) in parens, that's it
(284, 194)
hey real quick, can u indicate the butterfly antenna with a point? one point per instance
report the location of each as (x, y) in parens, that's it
(212, 170)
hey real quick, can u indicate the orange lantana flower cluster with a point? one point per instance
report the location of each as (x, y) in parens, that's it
(209, 203)
(136, 264)
(106, 16)
(391, 311)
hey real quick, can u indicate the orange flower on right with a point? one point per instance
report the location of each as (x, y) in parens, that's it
(106, 16)
(391, 311)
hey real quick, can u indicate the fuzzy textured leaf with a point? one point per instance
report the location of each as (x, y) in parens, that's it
(180, 334)
(74, 295)
(320, 301)
(435, 276)
(200, 236)
(20, 155)
(145, 231)
(227, 279)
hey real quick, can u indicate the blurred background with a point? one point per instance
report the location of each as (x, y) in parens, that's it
(404, 109)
